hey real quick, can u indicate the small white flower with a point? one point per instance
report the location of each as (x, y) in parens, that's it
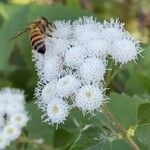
(86, 29)
(39, 62)
(89, 98)
(2, 120)
(112, 31)
(51, 68)
(57, 111)
(20, 120)
(97, 48)
(63, 29)
(92, 70)
(13, 108)
(74, 56)
(8, 95)
(11, 132)
(67, 85)
(56, 48)
(123, 51)
(3, 141)
(2, 108)
(111, 34)
(48, 92)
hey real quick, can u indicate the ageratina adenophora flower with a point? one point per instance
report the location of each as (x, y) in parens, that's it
(73, 69)
(13, 115)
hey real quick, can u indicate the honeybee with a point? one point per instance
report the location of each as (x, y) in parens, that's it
(38, 31)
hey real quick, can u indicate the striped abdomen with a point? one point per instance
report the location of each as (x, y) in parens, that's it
(37, 40)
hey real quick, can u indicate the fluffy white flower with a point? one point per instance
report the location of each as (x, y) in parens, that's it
(3, 141)
(56, 48)
(63, 29)
(74, 56)
(112, 31)
(13, 115)
(57, 111)
(86, 29)
(11, 132)
(20, 120)
(89, 98)
(2, 108)
(92, 70)
(13, 108)
(51, 68)
(75, 61)
(39, 62)
(123, 51)
(111, 34)
(67, 85)
(48, 92)
(2, 121)
(8, 95)
(97, 48)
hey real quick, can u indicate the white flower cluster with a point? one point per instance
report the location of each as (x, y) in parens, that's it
(13, 116)
(72, 70)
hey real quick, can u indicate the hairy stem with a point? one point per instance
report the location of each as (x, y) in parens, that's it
(27, 140)
(120, 129)
(111, 74)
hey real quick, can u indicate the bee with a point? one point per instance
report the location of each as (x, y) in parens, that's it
(38, 31)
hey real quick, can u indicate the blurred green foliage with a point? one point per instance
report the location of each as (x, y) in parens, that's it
(131, 109)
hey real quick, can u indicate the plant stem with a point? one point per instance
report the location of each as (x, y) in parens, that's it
(120, 129)
(111, 75)
(25, 139)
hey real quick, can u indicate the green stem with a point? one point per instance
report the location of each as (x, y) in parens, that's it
(120, 129)
(25, 139)
(111, 75)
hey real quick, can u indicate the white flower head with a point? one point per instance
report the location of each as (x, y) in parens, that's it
(74, 56)
(2, 108)
(74, 64)
(63, 29)
(56, 47)
(67, 85)
(3, 141)
(13, 115)
(93, 70)
(14, 108)
(11, 132)
(112, 31)
(97, 48)
(124, 50)
(57, 111)
(39, 62)
(20, 120)
(89, 98)
(86, 29)
(2, 121)
(48, 92)
(52, 68)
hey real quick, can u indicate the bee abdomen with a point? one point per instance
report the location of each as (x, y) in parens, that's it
(37, 41)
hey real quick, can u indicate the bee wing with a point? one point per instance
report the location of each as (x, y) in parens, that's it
(19, 33)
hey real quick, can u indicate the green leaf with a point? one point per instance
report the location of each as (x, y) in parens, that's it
(124, 109)
(7, 10)
(36, 128)
(8, 30)
(143, 134)
(144, 113)
(62, 138)
(145, 80)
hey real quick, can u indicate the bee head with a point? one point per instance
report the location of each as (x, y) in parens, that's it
(44, 21)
